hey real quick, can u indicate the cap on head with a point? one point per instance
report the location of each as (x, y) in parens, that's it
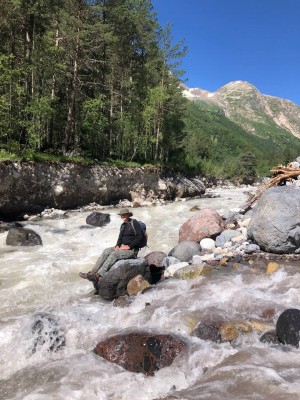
(125, 211)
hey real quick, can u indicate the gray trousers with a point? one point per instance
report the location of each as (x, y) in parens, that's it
(110, 256)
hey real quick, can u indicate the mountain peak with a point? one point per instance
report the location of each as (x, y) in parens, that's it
(238, 85)
(241, 102)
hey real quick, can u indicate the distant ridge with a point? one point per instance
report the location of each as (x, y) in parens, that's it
(259, 114)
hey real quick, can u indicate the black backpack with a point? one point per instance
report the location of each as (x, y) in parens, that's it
(143, 242)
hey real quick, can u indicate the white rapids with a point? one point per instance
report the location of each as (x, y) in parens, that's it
(45, 279)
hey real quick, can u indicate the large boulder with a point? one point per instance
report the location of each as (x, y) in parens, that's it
(98, 219)
(23, 237)
(288, 327)
(140, 352)
(114, 283)
(275, 224)
(185, 250)
(156, 258)
(206, 223)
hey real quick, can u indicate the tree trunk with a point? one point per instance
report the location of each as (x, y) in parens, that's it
(53, 88)
(71, 108)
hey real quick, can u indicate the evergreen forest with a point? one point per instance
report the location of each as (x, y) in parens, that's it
(100, 79)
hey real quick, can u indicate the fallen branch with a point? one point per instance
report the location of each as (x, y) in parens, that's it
(281, 175)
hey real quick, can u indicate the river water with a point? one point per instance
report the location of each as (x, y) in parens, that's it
(45, 279)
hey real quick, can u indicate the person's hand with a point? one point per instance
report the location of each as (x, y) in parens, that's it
(124, 247)
(117, 248)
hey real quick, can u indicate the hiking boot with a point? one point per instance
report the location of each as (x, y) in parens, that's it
(91, 276)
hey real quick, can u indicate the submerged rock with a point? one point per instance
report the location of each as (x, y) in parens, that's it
(23, 237)
(47, 333)
(208, 331)
(141, 352)
(270, 337)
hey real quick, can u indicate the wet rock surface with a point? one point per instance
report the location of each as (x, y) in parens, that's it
(114, 283)
(206, 223)
(156, 258)
(185, 250)
(275, 224)
(141, 352)
(288, 327)
(23, 237)
(270, 337)
(98, 219)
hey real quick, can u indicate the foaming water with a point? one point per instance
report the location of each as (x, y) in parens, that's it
(45, 280)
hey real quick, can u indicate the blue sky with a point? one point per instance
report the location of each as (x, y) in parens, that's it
(257, 41)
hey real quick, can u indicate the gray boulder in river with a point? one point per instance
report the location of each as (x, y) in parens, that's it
(275, 224)
(113, 284)
(23, 237)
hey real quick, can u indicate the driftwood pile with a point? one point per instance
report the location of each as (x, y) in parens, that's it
(280, 175)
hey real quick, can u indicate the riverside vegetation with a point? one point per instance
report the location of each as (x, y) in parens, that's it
(99, 81)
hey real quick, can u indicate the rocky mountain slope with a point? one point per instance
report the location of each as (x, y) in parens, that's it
(258, 114)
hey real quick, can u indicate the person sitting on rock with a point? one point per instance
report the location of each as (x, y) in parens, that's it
(127, 247)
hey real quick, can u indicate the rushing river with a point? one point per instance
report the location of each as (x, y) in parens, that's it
(45, 279)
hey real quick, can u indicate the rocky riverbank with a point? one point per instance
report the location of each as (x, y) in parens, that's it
(30, 187)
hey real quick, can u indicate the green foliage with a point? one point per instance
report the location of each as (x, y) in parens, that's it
(93, 127)
(245, 167)
(8, 155)
(87, 76)
(100, 79)
(213, 144)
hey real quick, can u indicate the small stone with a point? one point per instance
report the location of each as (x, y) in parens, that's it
(170, 271)
(252, 248)
(243, 326)
(268, 313)
(207, 243)
(260, 326)
(191, 324)
(137, 285)
(272, 267)
(223, 262)
(192, 272)
(228, 332)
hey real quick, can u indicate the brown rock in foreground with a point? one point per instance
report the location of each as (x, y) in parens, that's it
(140, 352)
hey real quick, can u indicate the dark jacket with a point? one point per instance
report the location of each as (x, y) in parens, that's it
(129, 235)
